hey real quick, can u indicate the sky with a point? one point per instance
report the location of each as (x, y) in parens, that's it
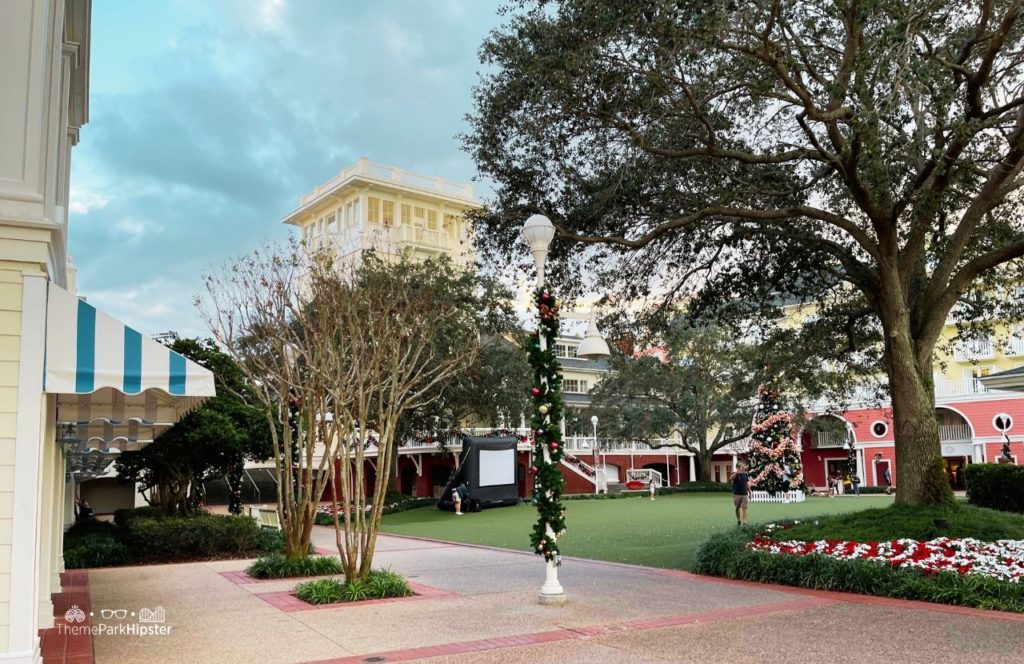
(209, 119)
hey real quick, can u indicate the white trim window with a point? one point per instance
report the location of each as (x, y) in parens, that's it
(879, 429)
(574, 386)
(566, 351)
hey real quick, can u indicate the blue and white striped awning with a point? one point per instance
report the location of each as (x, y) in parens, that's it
(87, 350)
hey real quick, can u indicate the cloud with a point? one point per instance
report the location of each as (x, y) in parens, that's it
(204, 132)
(82, 201)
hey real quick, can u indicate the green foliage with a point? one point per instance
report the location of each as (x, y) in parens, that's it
(868, 187)
(123, 518)
(277, 566)
(898, 521)
(379, 584)
(998, 486)
(321, 591)
(545, 422)
(211, 441)
(141, 537)
(725, 555)
(196, 537)
(96, 550)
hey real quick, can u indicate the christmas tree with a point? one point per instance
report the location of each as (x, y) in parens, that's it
(773, 458)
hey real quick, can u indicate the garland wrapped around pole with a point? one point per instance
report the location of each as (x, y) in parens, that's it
(545, 423)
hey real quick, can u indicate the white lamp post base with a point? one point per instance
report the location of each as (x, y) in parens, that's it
(551, 592)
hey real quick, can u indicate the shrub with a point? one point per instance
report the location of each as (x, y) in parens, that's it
(725, 555)
(997, 486)
(321, 591)
(96, 550)
(379, 584)
(203, 536)
(276, 566)
(124, 517)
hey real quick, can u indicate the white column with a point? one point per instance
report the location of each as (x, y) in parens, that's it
(734, 463)
(27, 522)
(693, 469)
(860, 466)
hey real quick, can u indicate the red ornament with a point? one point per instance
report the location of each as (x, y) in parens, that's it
(554, 446)
(535, 391)
(533, 469)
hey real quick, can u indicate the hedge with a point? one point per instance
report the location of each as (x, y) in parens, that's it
(725, 555)
(143, 538)
(996, 486)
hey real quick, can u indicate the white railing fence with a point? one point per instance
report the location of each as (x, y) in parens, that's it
(645, 475)
(781, 497)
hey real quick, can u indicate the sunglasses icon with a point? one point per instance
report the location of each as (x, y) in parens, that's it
(114, 613)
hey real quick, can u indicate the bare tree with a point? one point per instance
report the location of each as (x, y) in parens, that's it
(258, 312)
(338, 352)
(400, 335)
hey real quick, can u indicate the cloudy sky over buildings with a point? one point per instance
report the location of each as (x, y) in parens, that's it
(209, 119)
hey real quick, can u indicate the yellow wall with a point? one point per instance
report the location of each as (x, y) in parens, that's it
(10, 337)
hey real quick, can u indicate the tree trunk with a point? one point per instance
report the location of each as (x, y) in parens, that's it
(704, 465)
(920, 478)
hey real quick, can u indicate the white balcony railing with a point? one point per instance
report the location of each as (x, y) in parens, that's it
(831, 438)
(1015, 347)
(423, 237)
(975, 349)
(954, 432)
(959, 387)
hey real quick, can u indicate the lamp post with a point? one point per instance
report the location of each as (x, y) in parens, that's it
(548, 405)
(545, 423)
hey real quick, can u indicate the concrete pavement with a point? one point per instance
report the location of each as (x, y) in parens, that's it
(479, 605)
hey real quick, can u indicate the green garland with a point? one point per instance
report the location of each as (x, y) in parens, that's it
(545, 423)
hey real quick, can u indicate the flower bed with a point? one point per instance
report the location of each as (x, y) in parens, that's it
(966, 567)
(1002, 560)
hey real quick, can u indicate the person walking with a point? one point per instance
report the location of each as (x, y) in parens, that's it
(654, 488)
(741, 493)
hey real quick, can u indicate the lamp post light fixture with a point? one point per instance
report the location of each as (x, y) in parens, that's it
(548, 446)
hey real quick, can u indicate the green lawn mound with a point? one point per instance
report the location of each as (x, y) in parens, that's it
(725, 554)
(920, 523)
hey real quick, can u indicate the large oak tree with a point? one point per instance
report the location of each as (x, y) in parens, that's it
(863, 152)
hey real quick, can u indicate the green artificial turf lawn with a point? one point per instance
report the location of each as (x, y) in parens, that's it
(661, 533)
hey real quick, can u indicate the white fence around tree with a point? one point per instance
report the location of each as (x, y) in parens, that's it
(781, 497)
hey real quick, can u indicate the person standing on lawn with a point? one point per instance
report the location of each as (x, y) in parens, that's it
(855, 480)
(741, 493)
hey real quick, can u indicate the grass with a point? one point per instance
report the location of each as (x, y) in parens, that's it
(664, 533)
(898, 521)
(379, 584)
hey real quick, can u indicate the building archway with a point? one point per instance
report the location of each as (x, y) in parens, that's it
(956, 438)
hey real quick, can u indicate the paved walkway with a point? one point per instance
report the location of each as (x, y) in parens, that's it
(479, 605)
